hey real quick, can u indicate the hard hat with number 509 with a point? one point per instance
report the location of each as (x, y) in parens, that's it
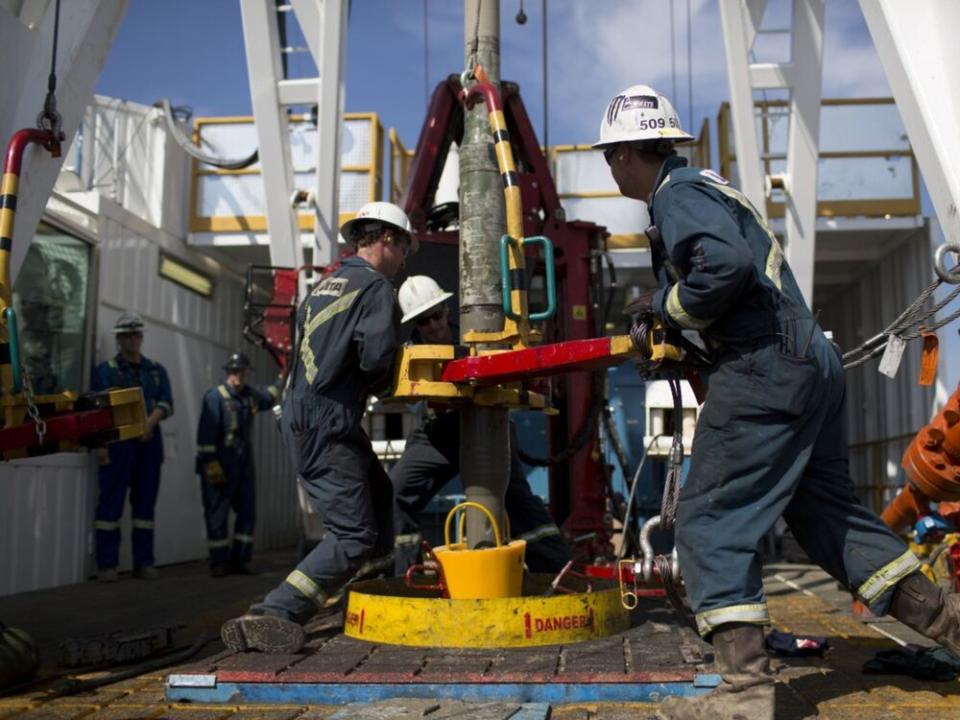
(640, 113)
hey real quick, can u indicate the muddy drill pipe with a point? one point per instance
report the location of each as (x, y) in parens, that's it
(932, 466)
(484, 431)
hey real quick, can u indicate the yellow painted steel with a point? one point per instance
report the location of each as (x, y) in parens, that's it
(386, 611)
(416, 377)
(495, 572)
(518, 331)
(8, 186)
(126, 407)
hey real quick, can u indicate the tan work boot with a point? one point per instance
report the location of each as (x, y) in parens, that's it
(924, 606)
(747, 688)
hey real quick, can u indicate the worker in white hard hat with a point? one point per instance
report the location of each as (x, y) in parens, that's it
(348, 335)
(770, 439)
(431, 457)
(132, 465)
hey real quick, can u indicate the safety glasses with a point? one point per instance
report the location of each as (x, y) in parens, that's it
(427, 319)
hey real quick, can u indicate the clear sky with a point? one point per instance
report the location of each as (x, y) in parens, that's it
(192, 52)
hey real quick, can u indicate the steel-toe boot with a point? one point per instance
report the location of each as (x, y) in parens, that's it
(928, 609)
(267, 633)
(746, 691)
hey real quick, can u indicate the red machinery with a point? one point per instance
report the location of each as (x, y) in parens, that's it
(577, 487)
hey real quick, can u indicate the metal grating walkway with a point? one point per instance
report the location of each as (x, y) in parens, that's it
(652, 659)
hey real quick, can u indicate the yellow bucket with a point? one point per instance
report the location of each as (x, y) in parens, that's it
(485, 573)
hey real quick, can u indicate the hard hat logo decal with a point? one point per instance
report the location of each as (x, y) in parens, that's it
(630, 102)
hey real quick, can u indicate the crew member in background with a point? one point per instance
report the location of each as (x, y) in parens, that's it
(131, 464)
(771, 438)
(431, 457)
(348, 334)
(225, 464)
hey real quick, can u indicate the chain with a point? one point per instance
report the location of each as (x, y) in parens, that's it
(39, 423)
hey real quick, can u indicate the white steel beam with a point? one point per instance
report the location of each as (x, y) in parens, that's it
(803, 143)
(771, 76)
(324, 24)
(87, 31)
(261, 40)
(299, 91)
(740, 20)
(917, 45)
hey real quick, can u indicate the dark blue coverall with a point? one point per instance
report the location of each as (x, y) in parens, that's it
(771, 439)
(349, 329)
(133, 464)
(431, 459)
(225, 466)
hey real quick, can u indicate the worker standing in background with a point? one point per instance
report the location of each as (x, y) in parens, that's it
(431, 457)
(348, 334)
(131, 464)
(771, 438)
(225, 464)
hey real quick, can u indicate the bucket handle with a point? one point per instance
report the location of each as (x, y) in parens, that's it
(478, 506)
(506, 526)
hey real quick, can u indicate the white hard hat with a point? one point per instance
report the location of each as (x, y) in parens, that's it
(418, 294)
(640, 113)
(383, 212)
(128, 322)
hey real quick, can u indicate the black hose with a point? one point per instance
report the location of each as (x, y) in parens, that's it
(79, 686)
(193, 151)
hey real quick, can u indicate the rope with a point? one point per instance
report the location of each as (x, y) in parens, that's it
(49, 118)
(915, 314)
(672, 585)
(633, 490)
(671, 488)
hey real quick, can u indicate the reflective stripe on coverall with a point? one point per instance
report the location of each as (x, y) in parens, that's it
(349, 329)
(770, 440)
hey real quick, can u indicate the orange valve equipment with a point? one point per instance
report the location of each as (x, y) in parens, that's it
(932, 466)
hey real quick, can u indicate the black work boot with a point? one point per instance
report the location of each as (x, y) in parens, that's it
(924, 606)
(747, 688)
(267, 633)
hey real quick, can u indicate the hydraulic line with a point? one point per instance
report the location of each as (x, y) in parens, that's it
(195, 152)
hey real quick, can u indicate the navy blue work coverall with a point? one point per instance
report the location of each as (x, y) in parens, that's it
(431, 459)
(225, 466)
(349, 329)
(133, 464)
(771, 439)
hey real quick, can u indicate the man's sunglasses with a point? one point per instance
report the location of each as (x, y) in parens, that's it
(608, 153)
(427, 319)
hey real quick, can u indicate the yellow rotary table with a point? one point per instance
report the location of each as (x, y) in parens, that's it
(386, 611)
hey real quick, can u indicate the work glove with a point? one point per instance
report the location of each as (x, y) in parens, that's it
(642, 304)
(213, 473)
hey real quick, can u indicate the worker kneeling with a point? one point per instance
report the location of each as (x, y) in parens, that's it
(431, 457)
(770, 440)
(348, 331)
